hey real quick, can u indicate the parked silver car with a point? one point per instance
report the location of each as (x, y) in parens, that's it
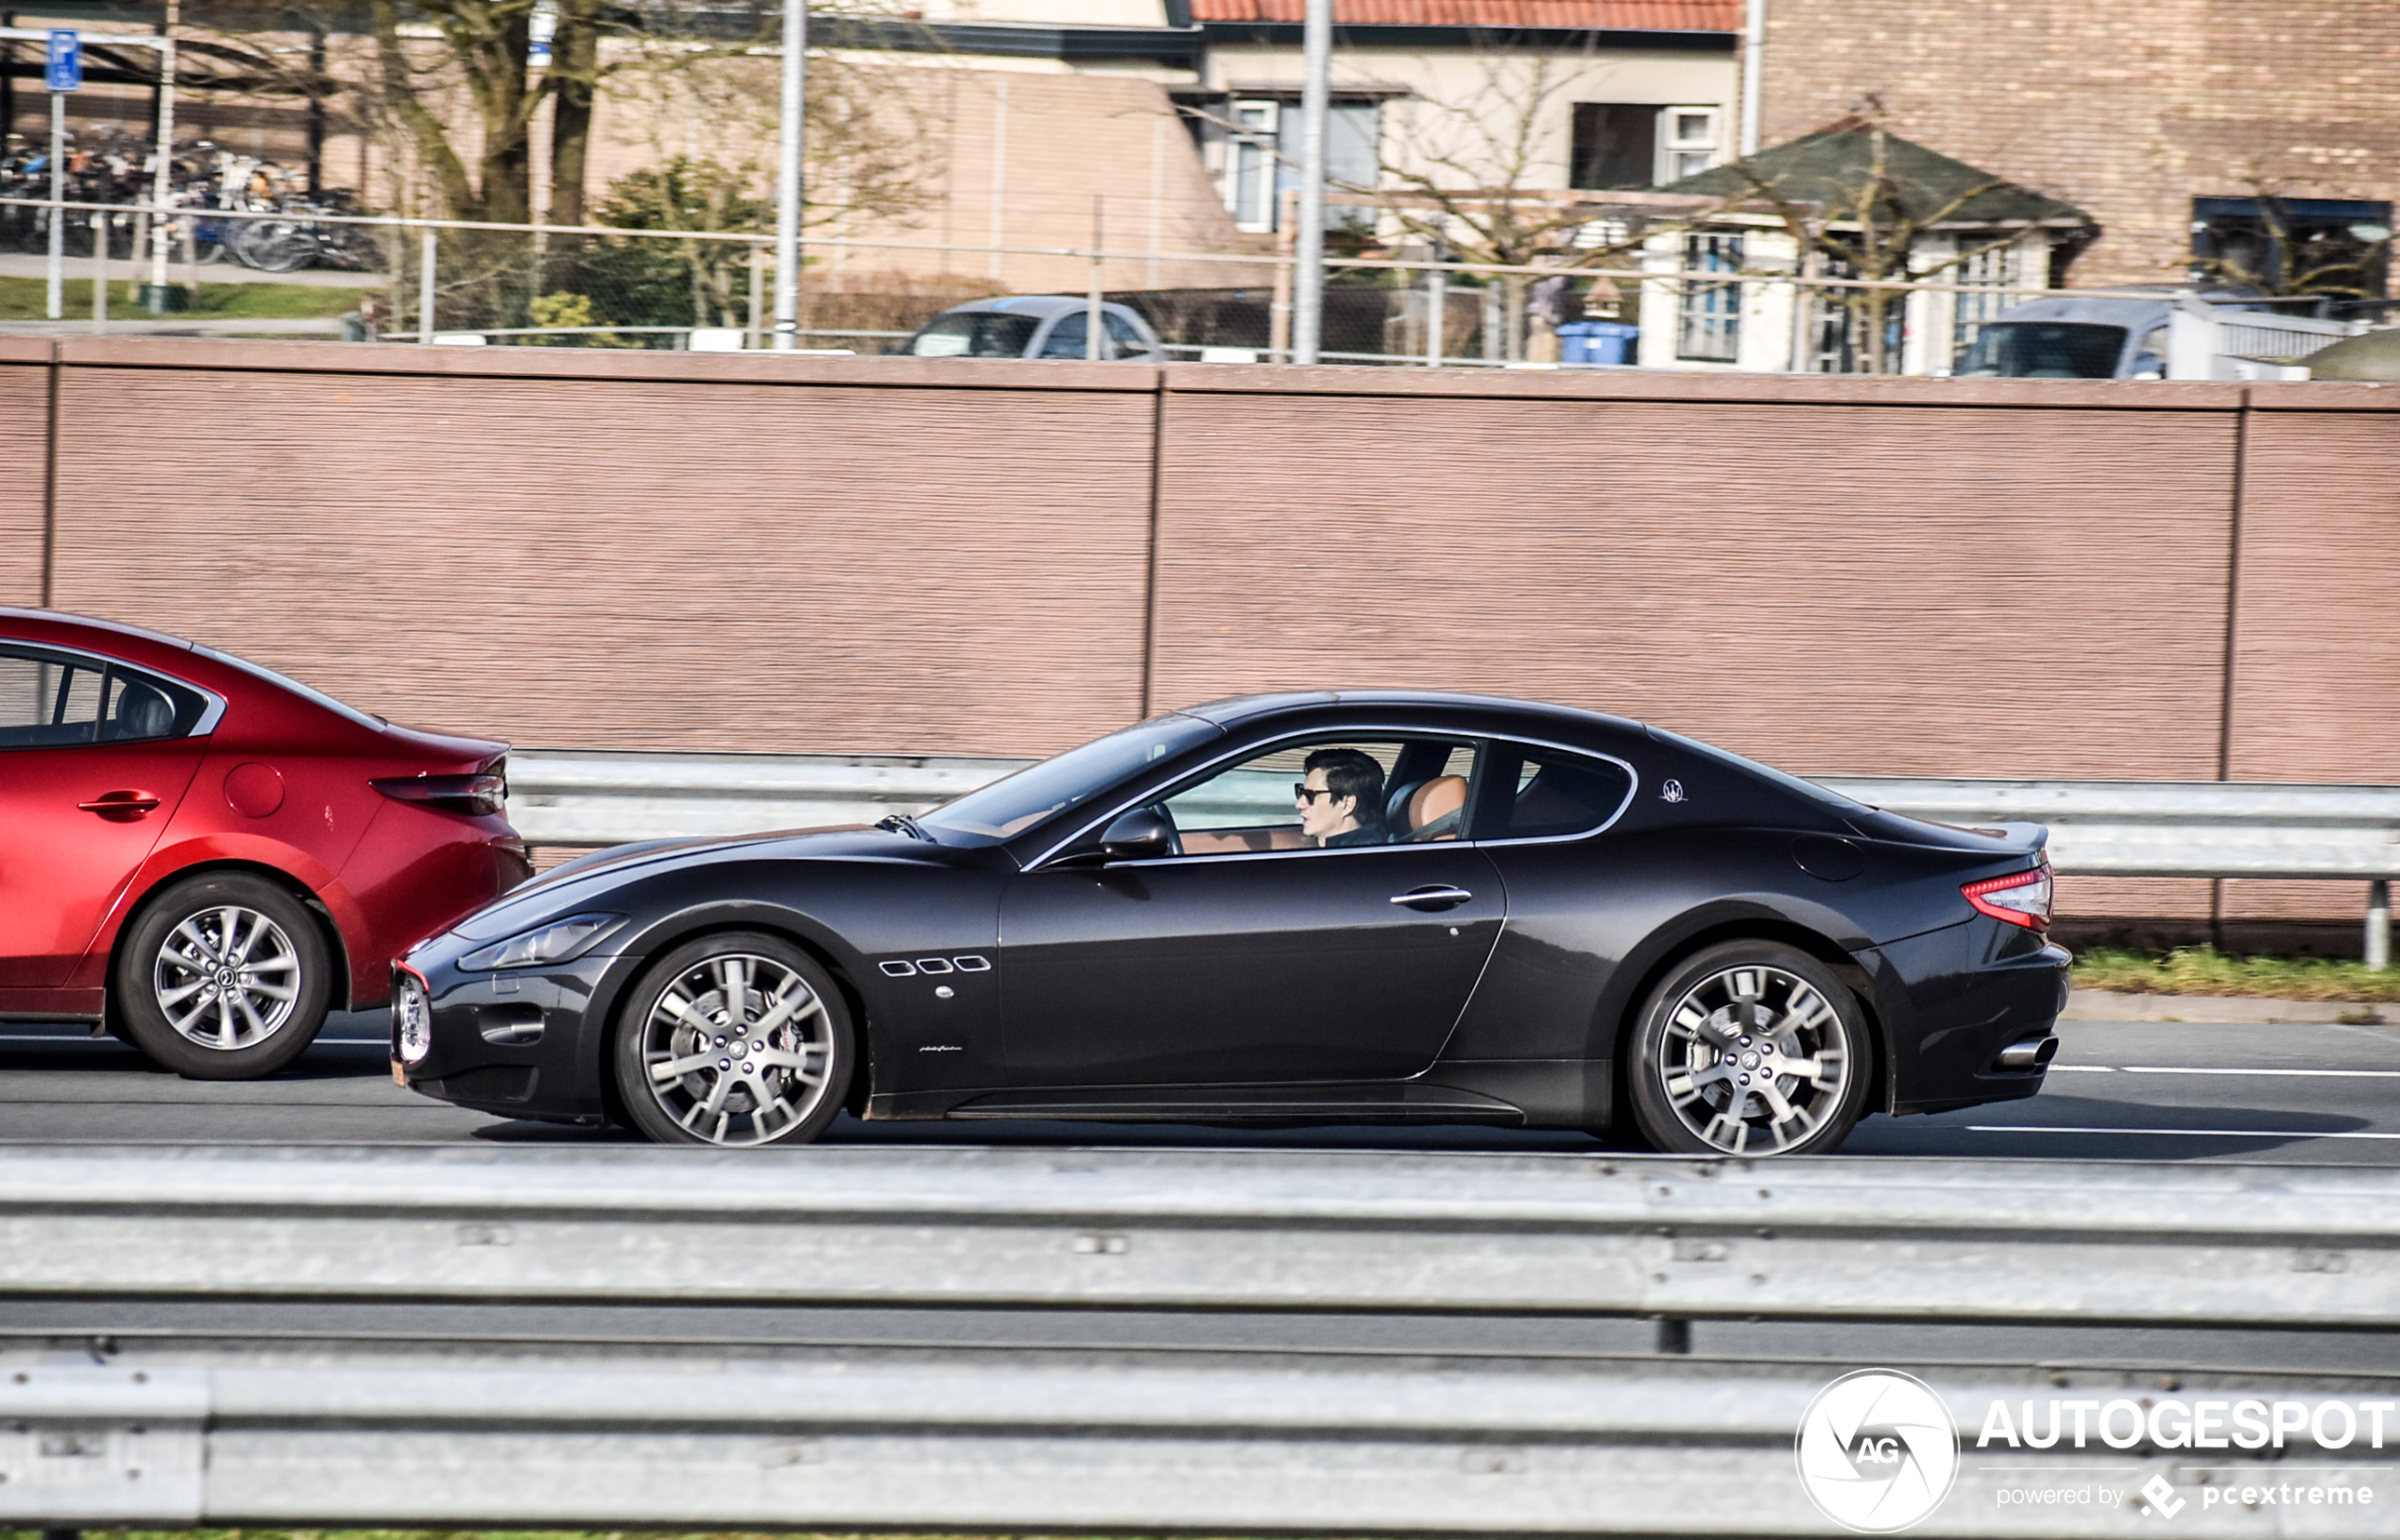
(1034, 326)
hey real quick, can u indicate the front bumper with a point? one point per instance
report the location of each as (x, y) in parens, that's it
(517, 1043)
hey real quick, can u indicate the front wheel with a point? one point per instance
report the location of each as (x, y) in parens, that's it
(224, 978)
(734, 1040)
(1750, 1048)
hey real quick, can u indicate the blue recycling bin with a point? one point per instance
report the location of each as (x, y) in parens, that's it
(1597, 342)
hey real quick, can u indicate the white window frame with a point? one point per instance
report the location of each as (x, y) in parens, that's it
(1674, 149)
(1248, 147)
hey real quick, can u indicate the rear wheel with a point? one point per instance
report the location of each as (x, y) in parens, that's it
(1749, 1048)
(223, 976)
(734, 1040)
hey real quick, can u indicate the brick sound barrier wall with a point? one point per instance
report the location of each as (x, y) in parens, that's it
(730, 552)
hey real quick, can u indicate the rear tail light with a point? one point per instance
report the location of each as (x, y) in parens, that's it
(2020, 899)
(483, 794)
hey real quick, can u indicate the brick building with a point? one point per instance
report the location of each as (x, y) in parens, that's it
(2154, 115)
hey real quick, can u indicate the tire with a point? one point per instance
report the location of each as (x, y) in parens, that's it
(687, 1077)
(272, 245)
(209, 1015)
(1795, 1083)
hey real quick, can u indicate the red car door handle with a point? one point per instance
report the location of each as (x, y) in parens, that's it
(121, 805)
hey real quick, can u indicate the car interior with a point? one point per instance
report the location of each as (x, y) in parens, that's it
(1250, 807)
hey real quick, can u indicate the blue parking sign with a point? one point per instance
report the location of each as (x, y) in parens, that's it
(65, 63)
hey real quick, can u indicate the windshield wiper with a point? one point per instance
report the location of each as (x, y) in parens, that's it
(900, 823)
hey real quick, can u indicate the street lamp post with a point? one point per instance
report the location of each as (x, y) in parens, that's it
(1308, 277)
(787, 179)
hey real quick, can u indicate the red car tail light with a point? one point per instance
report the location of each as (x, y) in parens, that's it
(2020, 899)
(483, 794)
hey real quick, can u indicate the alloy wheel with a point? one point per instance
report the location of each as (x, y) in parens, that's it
(227, 978)
(1754, 1059)
(737, 1049)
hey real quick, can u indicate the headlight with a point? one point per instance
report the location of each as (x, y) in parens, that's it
(559, 941)
(412, 1021)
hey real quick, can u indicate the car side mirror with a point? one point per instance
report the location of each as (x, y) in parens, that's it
(1139, 835)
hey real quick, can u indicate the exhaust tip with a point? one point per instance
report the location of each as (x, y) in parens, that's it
(2028, 1054)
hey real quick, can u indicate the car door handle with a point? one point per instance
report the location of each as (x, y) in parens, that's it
(123, 806)
(1436, 897)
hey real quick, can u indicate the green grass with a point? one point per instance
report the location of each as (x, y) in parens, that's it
(26, 298)
(2205, 970)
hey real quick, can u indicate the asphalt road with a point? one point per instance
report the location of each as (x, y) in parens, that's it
(2271, 1094)
(2120, 1090)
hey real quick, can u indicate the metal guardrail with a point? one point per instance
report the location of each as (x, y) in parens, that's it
(1210, 1442)
(1067, 1443)
(1880, 1239)
(2097, 827)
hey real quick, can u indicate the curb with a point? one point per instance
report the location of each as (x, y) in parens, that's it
(2108, 1005)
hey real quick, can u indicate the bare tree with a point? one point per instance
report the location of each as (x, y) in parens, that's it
(452, 85)
(1864, 200)
(1475, 173)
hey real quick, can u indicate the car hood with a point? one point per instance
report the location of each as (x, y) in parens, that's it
(587, 878)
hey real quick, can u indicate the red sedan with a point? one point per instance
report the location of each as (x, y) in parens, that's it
(207, 856)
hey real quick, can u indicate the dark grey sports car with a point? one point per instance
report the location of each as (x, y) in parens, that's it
(1355, 907)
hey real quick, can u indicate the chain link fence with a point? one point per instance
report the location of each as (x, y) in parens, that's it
(524, 285)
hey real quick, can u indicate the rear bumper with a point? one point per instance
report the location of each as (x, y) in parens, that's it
(1973, 991)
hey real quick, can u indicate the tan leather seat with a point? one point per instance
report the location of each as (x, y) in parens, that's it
(1434, 809)
(1224, 842)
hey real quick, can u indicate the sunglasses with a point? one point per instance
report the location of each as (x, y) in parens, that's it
(1303, 791)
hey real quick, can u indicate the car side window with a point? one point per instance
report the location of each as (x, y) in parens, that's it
(47, 700)
(1123, 333)
(142, 706)
(1066, 339)
(1329, 792)
(1556, 793)
(56, 700)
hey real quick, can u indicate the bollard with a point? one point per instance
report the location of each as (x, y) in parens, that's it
(2379, 925)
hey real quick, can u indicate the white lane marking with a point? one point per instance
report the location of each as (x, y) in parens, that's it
(2194, 1069)
(2193, 1133)
(2217, 1070)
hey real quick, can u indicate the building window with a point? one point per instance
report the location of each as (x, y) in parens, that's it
(1260, 160)
(1687, 142)
(1995, 268)
(1708, 316)
(2333, 246)
(1618, 144)
(1250, 179)
(1613, 146)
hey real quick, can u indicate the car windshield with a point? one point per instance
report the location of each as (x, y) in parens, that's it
(975, 334)
(1007, 807)
(1809, 789)
(2045, 351)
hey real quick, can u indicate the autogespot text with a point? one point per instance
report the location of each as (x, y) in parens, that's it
(2200, 1423)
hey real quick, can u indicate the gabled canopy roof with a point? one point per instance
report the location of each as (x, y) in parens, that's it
(1575, 15)
(1832, 167)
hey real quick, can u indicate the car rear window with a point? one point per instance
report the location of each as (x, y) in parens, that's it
(304, 692)
(980, 334)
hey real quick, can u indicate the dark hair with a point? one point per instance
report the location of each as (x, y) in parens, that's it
(1350, 772)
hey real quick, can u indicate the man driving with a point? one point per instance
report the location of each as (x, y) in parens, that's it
(1341, 799)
